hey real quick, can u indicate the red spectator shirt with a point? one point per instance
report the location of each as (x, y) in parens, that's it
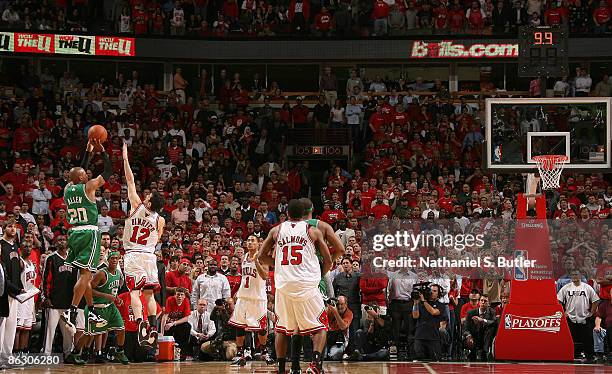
(115, 187)
(174, 279)
(11, 201)
(23, 139)
(602, 15)
(117, 214)
(456, 18)
(140, 22)
(381, 10)
(234, 282)
(127, 313)
(16, 179)
(300, 114)
(323, 21)
(373, 288)
(175, 311)
(476, 19)
(604, 271)
(230, 9)
(465, 309)
(332, 215)
(441, 16)
(553, 16)
(380, 210)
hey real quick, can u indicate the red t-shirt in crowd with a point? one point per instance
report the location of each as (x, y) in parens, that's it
(604, 271)
(381, 10)
(602, 15)
(323, 21)
(174, 279)
(175, 311)
(553, 16)
(465, 309)
(127, 313)
(234, 282)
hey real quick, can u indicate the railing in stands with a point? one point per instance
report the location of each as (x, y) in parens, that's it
(319, 136)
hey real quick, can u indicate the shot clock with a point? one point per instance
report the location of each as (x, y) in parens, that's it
(543, 51)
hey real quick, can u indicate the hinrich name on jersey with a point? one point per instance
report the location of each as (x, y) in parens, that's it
(142, 223)
(293, 240)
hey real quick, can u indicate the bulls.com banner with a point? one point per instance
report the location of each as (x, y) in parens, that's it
(20, 42)
(485, 248)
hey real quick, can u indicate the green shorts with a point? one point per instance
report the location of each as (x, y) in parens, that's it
(84, 248)
(112, 316)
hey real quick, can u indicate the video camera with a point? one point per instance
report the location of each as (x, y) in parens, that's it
(423, 288)
(331, 301)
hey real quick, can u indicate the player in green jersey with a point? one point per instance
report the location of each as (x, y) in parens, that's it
(84, 236)
(105, 287)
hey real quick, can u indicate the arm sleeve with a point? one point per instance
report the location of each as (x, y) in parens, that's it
(211, 328)
(108, 167)
(86, 159)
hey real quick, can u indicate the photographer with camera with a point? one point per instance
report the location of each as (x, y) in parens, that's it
(372, 343)
(223, 346)
(430, 315)
(340, 318)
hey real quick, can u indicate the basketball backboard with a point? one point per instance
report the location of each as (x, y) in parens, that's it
(518, 129)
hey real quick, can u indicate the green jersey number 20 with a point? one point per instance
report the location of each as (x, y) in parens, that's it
(77, 215)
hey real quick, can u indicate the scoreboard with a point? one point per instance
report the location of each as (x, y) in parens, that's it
(543, 51)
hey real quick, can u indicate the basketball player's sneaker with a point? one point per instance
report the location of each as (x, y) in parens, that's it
(69, 318)
(74, 358)
(143, 334)
(247, 354)
(295, 371)
(153, 337)
(266, 357)
(239, 361)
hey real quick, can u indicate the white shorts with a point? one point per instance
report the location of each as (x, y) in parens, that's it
(304, 316)
(80, 320)
(25, 315)
(140, 270)
(250, 315)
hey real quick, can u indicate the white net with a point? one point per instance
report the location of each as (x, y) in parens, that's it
(550, 168)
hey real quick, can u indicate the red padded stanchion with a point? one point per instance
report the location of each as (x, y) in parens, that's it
(533, 326)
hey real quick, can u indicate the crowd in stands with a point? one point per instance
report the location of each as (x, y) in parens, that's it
(221, 167)
(251, 18)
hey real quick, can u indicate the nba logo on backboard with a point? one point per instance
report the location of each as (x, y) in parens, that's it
(497, 153)
(520, 272)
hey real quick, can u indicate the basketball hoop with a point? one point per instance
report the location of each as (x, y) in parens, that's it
(550, 168)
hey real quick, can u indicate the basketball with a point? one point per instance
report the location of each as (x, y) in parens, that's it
(97, 132)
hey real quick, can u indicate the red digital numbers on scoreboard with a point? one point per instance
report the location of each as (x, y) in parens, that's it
(543, 38)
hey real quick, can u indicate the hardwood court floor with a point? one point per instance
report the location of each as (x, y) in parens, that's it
(330, 368)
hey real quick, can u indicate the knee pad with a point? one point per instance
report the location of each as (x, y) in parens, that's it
(262, 333)
(240, 332)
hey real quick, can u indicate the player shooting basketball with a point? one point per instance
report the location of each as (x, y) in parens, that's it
(84, 236)
(142, 230)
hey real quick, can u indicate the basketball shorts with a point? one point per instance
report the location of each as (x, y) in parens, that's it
(250, 315)
(84, 247)
(25, 315)
(140, 270)
(112, 316)
(305, 315)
